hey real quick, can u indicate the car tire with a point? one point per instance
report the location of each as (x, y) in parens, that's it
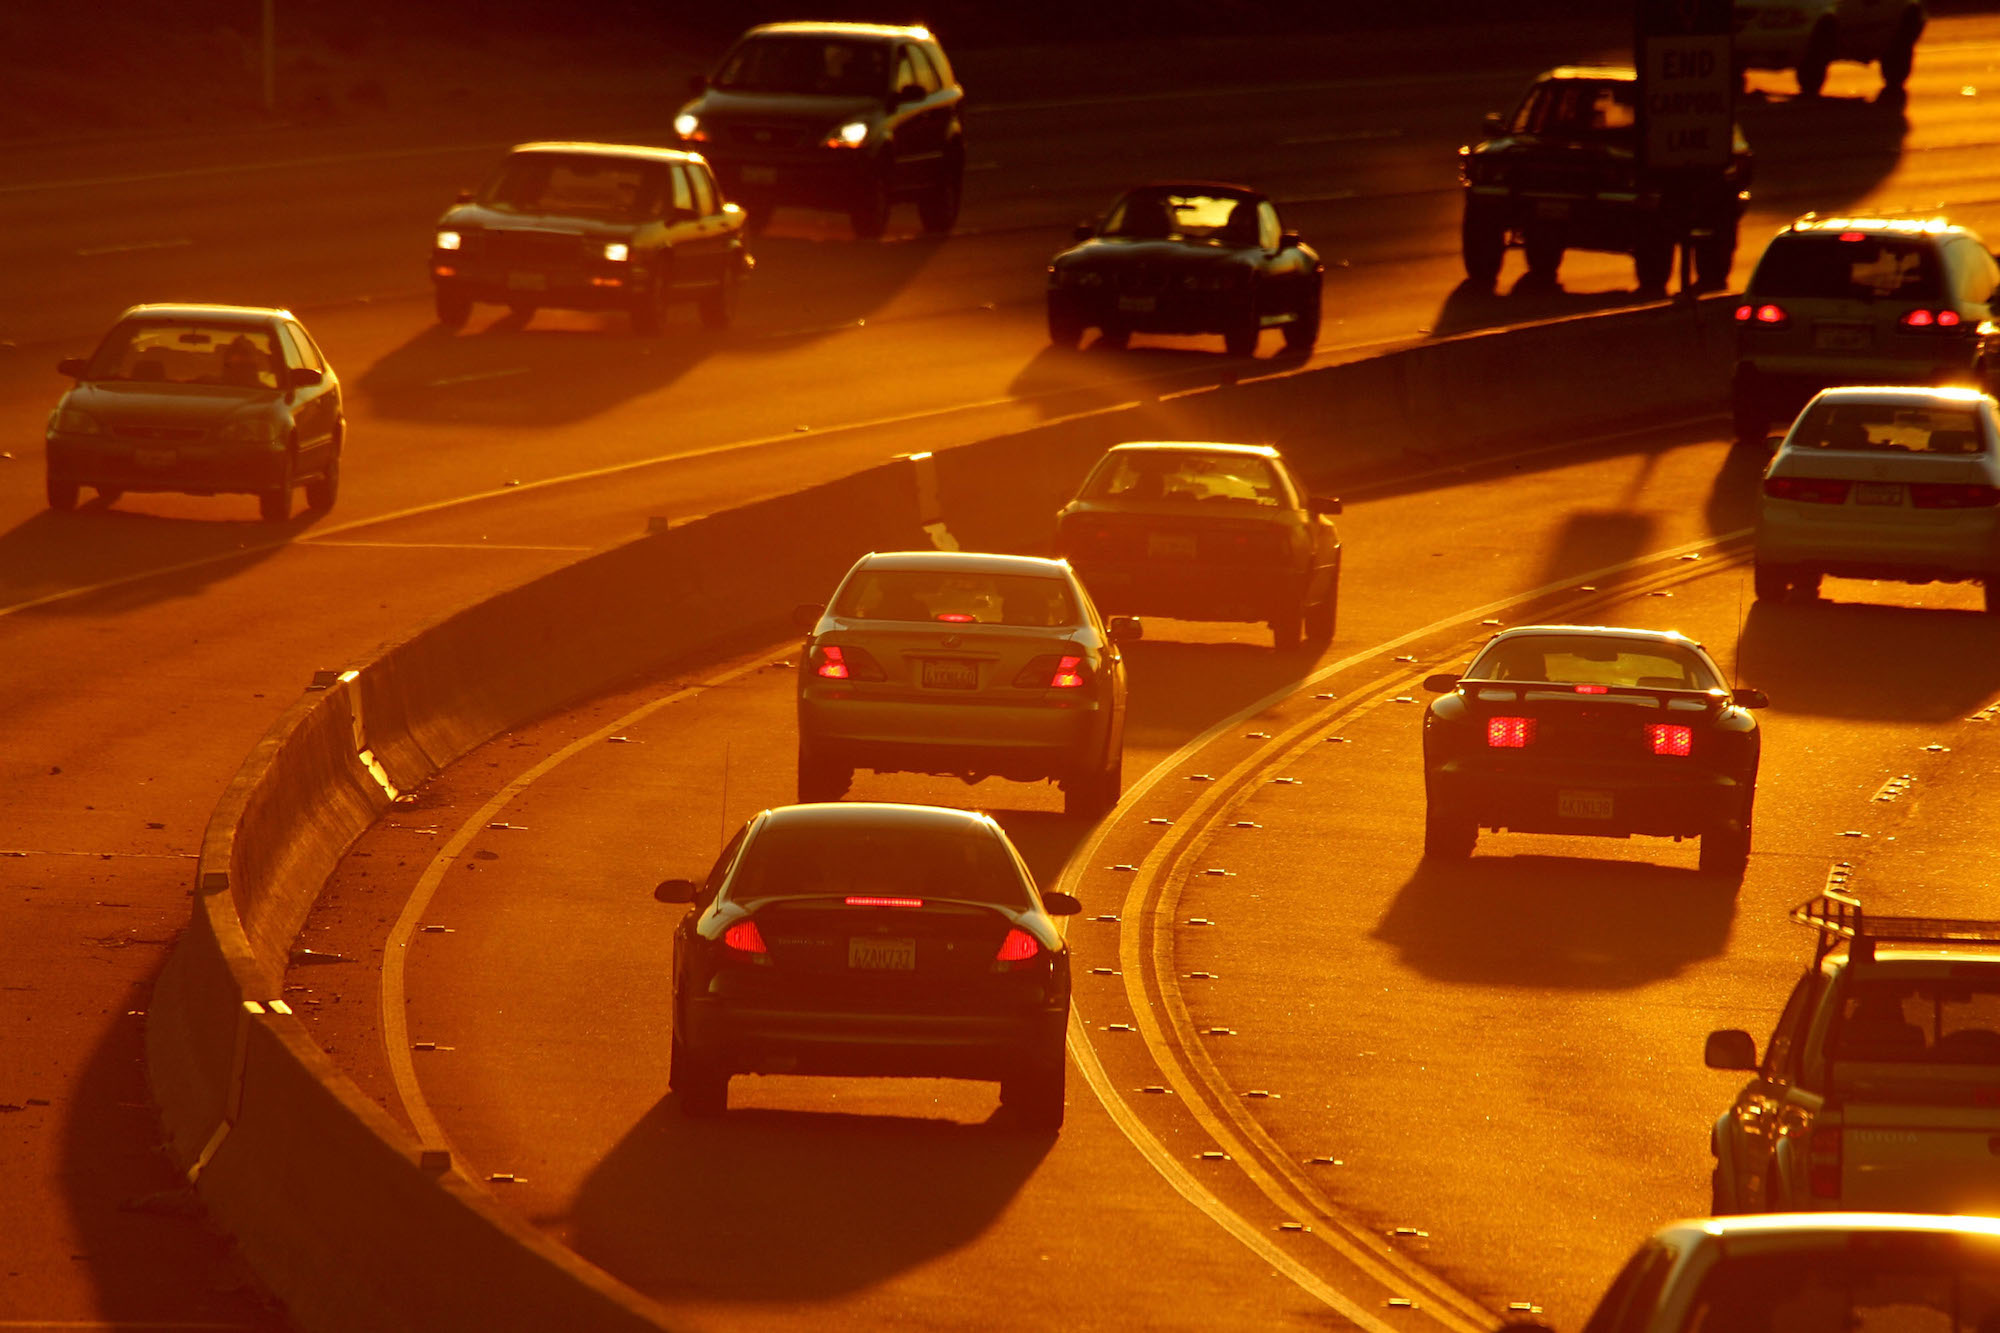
(938, 207)
(1717, 1205)
(1771, 583)
(1725, 851)
(701, 1088)
(1288, 630)
(1242, 340)
(821, 779)
(62, 495)
(1805, 584)
(718, 305)
(1095, 794)
(1545, 257)
(454, 307)
(1320, 618)
(1750, 420)
(520, 312)
(1901, 56)
(324, 489)
(275, 505)
(649, 312)
(1065, 325)
(1652, 265)
(1302, 334)
(1813, 64)
(1714, 256)
(1035, 1096)
(868, 215)
(1449, 835)
(1482, 242)
(1116, 337)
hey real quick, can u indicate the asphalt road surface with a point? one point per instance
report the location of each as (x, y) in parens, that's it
(1499, 1057)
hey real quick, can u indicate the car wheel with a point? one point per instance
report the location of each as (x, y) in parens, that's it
(1242, 340)
(868, 215)
(454, 307)
(649, 312)
(62, 495)
(1725, 851)
(821, 779)
(1805, 584)
(1448, 835)
(701, 1088)
(1114, 336)
(109, 495)
(938, 208)
(1813, 65)
(275, 505)
(1771, 582)
(1035, 1096)
(1303, 332)
(1545, 257)
(324, 489)
(1752, 423)
(1094, 795)
(1714, 256)
(520, 312)
(1719, 1205)
(1288, 629)
(1482, 240)
(1652, 265)
(1065, 325)
(1901, 55)
(718, 306)
(1321, 616)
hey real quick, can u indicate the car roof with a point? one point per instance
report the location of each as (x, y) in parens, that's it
(1823, 1228)
(1195, 447)
(614, 150)
(1666, 636)
(1878, 224)
(971, 562)
(879, 815)
(1901, 395)
(867, 31)
(1599, 73)
(218, 314)
(1192, 186)
(1917, 961)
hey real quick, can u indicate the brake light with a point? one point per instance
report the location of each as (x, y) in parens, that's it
(1771, 316)
(885, 902)
(1068, 674)
(1744, 312)
(1853, 236)
(1823, 1163)
(1666, 738)
(1943, 495)
(1930, 319)
(831, 663)
(744, 937)
(1509, 733)
(834, 662)
(1810, 490)
(1018, 947)
(1593, 689)
(954, 617)
(1051, 671)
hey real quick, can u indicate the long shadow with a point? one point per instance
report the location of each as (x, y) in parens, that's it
(1594, 538)
(1556, 922)
(1065, 380)
(1819, 153)
(50, 554)
(768, 1207)
(1852, 659)
(1470, 306)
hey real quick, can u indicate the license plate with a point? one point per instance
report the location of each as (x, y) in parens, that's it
(154, 457)
(950, 676)
(882, 954)
(1169, 546)
(760, 175)
(527, 282)
(1841, 337)
(1878, 492)
(1583, 804)
(1552, 208)
(1138, 305)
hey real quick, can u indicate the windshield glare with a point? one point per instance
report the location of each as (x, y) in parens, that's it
(1175, 476)
(159, 352)
(1889, 428)
(1929, 1021)
(614, 189)
(813, 65)
(826, 860)
(1566, 659)
(957, 597)
(1163, 215)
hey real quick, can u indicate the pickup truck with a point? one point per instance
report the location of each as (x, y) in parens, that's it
(1880, 1088)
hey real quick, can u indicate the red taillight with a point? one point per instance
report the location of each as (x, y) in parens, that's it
(1018, 947)
(833, 662)
(1051, 671)
(954, 618)
(1068, 674)
(1947, 319)
(744, 937)
(1509, 733)
(1853, 236)
(1666, 738)
(1944, 495)
(1823, 1163)
(1810, 490)
(1930, 319)
(1593, 689)
(1744, 312)
(1770, 316)
(885, 902)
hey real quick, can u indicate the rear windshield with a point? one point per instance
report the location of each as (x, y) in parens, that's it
(1933, 1021)
(1823, 266)
(188, 353)
(1579, 109)
(583, 185)
(1911, 1283)
(829, 66)
(957, 597)
(1885, 427)
(1163, 475)
(808, 861)
(1163, 215)
(1592, 660)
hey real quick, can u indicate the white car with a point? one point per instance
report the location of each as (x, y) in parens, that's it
(1883, 483)
(1809, 35)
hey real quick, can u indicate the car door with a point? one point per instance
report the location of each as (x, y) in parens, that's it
(308, 404)
(913, 145)
(718, 234)
(1762, 1112)
(680, 253)
(1322, 538)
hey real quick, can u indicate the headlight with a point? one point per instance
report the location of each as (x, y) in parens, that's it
(449, 240)
(251, 430)
(617, 251)
(688, 125)
(74, 421)
(851, 135)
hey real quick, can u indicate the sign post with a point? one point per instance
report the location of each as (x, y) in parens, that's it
(1684, 52)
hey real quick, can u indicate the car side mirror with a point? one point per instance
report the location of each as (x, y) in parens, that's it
(1082, 231)
(909, 92)
(1060, 904)
(462, 197)
(1324, 505)
(697, 84)
(1441, 682)
(1731, 1048)
(1749, 698)
(73, 366)
(1288, 240)
(676, 891)
(1126, 629)
(304, 377)
(1492, 122)
(806, 615)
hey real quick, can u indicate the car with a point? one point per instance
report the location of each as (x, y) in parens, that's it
(1860, 300)
(1592, 730)
(1880, 1088)
(869, 938)
(593, 226)
(1808, 35)
(1883, 483)
(966, 664)
(853, 117)
(202, 400)
(1187, 257)
(1561, 173)
(1805, 1273)
(1202, 531)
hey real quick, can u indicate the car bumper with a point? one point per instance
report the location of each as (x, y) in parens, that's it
(902, 735)
(1198, 593)
(776, 1040)
(188, 467)
(566, 289)
(1916, 546)
(1785, 384)
(1171, 312)
(1533, 801)
(830, 178)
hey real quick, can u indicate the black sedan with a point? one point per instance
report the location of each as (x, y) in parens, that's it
(1582, 729)
(871, 939)
(1187, 257)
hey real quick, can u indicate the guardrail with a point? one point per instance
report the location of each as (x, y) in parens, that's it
(345, 1216)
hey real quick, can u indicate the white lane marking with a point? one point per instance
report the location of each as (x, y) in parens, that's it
(1343, 136)
(438, 546)
(178, 243)
(395, 1021)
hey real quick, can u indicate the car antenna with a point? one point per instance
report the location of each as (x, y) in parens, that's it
(722, 813)
(1736, 653)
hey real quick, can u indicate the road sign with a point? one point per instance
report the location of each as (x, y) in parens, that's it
(1687, 83)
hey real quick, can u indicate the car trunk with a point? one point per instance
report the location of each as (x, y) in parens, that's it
(884, 953)
(1933, 1148)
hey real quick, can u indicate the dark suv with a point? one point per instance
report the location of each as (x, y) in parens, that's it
(843, 116)
(1561, 173)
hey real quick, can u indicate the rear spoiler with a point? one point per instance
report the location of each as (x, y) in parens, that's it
(1710, 698)
(1839, 920)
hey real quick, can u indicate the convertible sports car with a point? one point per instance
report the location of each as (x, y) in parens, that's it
(1582, 729)
(1187, 257)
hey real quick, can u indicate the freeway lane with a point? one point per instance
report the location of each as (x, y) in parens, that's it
(127, 708)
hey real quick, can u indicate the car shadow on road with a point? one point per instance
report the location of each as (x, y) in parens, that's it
(1842, 658)
(125, 560)
(1061, 380)
(1556, 921)
(1470, 307)
(768, 1207)
(1820, 153)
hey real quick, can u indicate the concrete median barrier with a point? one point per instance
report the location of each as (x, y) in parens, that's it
(348, 1219)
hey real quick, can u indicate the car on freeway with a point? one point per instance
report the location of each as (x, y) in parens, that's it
(1883, 483)
(1203, 531)
(1805, 1273)
(1807, 36)
(1880, 1088)
(852, 117)
(593, 226)
(1562, 173)
(1587, 729)
(870, 939)
(202, 400)
(1860, 300)
(1187, 257)
(965, 664)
